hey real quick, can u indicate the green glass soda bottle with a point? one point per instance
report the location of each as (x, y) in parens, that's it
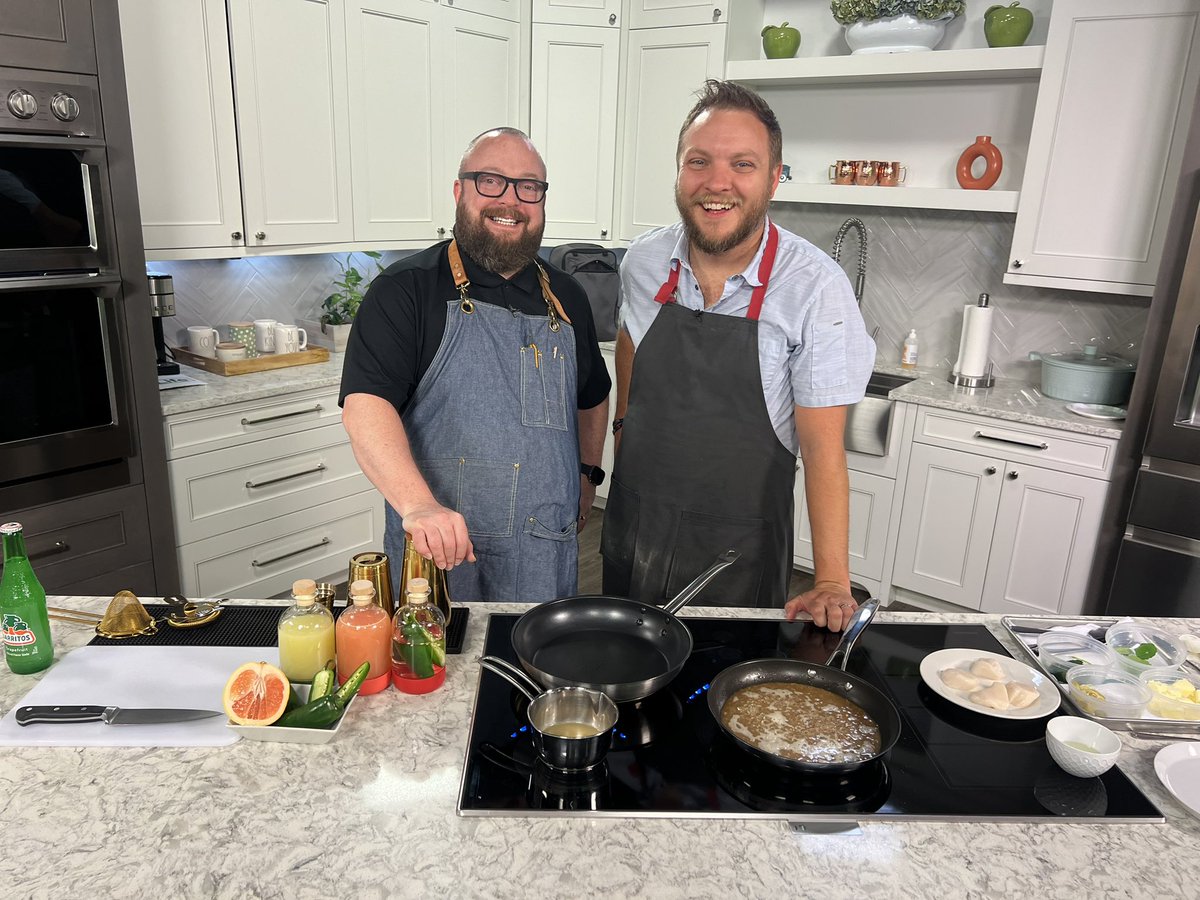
(24, 622)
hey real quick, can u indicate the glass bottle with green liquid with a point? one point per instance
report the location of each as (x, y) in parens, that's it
(418, 642)
(306, 636)
(24, 621)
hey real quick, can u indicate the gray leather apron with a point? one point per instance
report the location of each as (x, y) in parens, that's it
(494, 431)
(700, 468)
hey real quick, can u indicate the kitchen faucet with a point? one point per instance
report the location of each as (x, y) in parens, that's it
(857, 224)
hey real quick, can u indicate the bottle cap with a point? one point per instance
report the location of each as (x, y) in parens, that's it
(304, 591)
(10, 528)
(985, 299)
(362, 592)
(418, 590)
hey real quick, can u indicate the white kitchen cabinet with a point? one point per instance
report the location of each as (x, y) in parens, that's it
(573, 122)
(606, 13)
(500, 9)
(667, 13)
(1117, 91)
(663, 69)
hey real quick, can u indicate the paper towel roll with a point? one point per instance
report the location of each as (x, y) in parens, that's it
(974, 346)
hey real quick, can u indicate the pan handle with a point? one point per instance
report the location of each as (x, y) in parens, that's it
(728, 558)
(512, 675)
(854, 628)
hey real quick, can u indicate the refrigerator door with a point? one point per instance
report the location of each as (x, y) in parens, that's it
(1157, 574)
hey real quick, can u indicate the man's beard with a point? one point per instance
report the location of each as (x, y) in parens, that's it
(491, 251)
(754, 213)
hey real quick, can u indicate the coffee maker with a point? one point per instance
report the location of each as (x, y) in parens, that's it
(162, 304)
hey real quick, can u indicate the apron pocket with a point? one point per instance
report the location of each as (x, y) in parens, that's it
(548, 562)
(618, 537)
(483, 491)
(700, 540)
(543, 389)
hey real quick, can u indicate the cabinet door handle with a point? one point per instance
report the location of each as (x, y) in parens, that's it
(612, 20)
(275, 559)
(1007, 440)
(1012, 475)
(237, 235)
(56, 548)
(258, 484)
(261, 235)
(287, 415)
(716, 14)
(990, 470)
(1017, 263)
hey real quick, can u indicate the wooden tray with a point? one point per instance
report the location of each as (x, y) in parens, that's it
(245, 366)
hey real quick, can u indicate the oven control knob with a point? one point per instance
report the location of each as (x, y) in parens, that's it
(22, 104)
(65, 107)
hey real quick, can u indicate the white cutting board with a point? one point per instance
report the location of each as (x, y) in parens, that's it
(135, 677)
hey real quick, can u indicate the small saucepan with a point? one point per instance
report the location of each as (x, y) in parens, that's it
(835, 680)
(572, 726)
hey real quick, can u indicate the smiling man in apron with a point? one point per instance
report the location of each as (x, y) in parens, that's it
(749, 345)
(474, 392)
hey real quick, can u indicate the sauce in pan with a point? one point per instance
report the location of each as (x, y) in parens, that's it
(801, 722)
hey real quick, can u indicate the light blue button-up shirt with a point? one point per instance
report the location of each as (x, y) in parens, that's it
(813, 349)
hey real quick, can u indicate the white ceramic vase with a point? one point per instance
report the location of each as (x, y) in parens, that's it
(897, 34)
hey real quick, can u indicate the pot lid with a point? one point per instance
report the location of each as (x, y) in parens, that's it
(1090, 360)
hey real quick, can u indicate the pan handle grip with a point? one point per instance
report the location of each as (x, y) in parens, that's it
(510, 673)
(854, 628)
(680, 600)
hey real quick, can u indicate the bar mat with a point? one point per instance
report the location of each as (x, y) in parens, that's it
(246, 626)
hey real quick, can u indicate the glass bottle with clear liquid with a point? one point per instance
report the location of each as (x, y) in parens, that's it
(24, 620)
(306, 638)
(418, 642)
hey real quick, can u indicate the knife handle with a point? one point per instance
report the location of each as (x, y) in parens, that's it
(27, 715)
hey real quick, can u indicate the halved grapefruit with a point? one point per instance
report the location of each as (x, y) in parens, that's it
(256, 694)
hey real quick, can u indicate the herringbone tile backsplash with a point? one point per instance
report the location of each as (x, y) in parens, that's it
(923, 266)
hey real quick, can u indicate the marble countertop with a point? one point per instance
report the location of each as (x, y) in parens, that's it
(372, 814)
(221, 390)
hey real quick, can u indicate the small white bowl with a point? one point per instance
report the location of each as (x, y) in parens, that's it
(1106, 746)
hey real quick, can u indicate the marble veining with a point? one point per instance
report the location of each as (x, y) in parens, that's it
(221, 390)
(372, 814)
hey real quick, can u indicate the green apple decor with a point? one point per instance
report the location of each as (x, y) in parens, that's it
(1007, 26)
(781, 42)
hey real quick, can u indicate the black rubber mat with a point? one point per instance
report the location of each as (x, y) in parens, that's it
(246, 626)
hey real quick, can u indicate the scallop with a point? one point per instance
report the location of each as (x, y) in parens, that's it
(959, 680)
(993, 696)
(988, 669)
(1021, 694)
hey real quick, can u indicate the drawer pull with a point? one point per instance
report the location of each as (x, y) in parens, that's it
(258, 484)
(275, 559)
(287, 415)
(1006, 440)
(59, 547)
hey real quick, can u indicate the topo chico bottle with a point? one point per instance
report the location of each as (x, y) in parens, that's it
(24, 621)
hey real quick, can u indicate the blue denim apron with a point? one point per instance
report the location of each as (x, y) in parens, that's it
(493, 428)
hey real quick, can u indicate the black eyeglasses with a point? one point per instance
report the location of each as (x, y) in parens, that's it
(491, 184)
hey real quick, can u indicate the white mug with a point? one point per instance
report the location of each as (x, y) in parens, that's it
(264, 335)
(290, 339)
(203, 340)
(228, 351)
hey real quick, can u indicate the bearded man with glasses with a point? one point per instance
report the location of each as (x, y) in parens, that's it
(474, 392)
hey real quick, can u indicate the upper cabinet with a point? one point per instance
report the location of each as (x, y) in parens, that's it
(48, 34)
(601, 13)
(668, 13)
(1118, 85)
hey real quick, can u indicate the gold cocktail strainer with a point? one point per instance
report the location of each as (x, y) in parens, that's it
(126, 617)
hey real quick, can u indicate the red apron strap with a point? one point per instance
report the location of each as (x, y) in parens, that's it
(764, 273)
(666, 293)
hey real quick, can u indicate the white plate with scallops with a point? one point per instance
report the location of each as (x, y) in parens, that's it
(990, 683)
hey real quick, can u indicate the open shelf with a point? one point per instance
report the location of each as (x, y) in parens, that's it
(936, 65)
(900, 196)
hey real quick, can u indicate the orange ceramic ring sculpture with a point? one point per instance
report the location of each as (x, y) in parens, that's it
(990, 153)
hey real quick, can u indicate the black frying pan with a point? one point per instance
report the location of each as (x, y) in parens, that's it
(868, 697)
(622, 647)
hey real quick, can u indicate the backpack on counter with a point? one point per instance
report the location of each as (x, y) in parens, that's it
(597, 270)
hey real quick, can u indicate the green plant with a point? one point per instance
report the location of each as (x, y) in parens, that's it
(342, 305)
(850, 11)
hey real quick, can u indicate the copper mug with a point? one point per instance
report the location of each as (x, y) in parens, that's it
(865, 173)
(843, 172)
(890, 174)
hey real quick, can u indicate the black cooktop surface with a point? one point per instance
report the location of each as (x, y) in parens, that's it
(669, 757)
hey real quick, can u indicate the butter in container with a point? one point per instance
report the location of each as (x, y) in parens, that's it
(1173, 695)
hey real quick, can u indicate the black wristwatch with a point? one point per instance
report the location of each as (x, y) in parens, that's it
(595, 474)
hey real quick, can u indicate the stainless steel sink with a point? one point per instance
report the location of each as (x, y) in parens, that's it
(868, 421)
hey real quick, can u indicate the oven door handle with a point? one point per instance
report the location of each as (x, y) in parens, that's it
(109, 283)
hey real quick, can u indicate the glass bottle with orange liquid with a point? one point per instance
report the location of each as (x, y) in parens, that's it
(364, 634)
(418, 642)
(305, 634)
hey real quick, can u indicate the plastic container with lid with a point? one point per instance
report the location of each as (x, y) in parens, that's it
(418, 642)
(1173, 694)
(1128, 640)
(1086, 377)
(364, 634)
(1107, 692)
(306, 641)
(1061, 651)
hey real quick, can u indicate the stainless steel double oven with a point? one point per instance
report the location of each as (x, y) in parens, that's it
(65, 403)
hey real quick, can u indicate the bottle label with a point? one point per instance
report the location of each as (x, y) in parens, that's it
(17, 633)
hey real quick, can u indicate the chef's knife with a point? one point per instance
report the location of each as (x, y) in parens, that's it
(109, 715)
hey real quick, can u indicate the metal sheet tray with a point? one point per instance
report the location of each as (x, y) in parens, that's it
(1021, 627)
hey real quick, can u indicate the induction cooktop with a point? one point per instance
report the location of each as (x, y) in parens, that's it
(669, 758)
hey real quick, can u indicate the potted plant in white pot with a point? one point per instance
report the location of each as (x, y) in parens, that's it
(895, 26)
(339, 308)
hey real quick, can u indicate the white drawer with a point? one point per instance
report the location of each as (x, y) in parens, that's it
(228, 426)
(222, 490)
(264, 560)
(1066, 451)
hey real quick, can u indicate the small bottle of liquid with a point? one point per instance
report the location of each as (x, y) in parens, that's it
(364, 634)
(24, 620)
(908, 355)
(305, 634)
(418, 642)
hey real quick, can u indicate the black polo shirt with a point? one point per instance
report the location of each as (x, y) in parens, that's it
(400, 324)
